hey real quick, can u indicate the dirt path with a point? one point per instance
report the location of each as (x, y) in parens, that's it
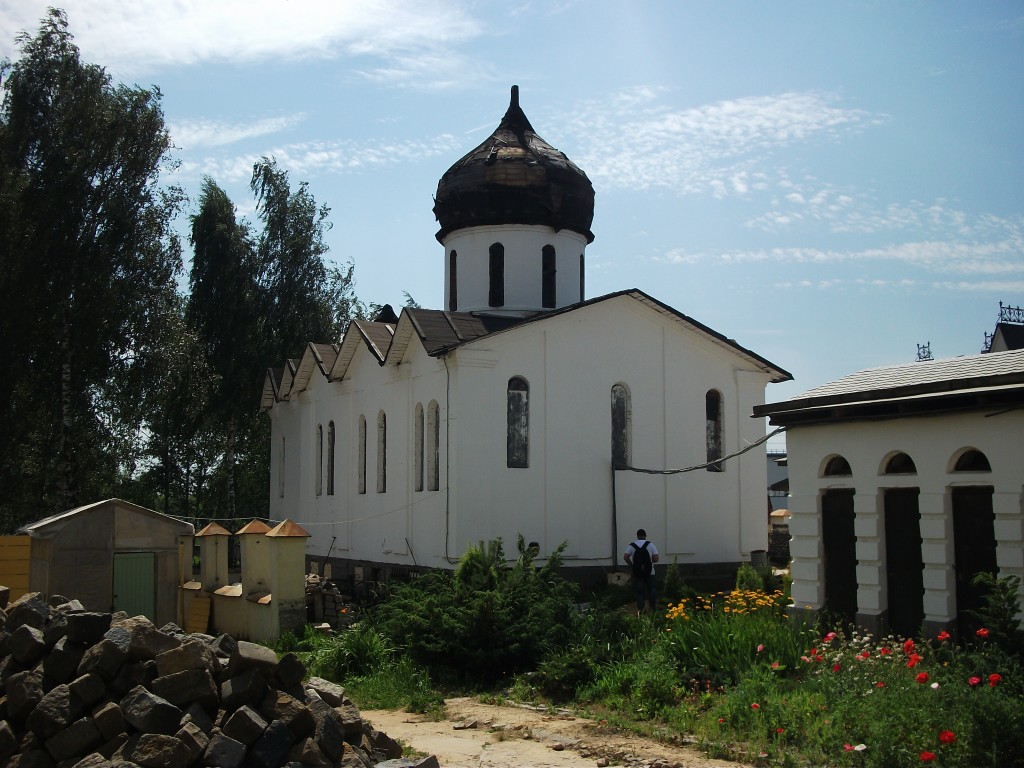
(476, 735)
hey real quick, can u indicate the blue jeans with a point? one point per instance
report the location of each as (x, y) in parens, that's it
(645, 589)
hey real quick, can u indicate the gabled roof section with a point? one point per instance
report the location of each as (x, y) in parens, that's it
(440, 331)
(271, 388)
(927, 386)
(316, 358)
(376, 337)
(287, 377)
(40, 527)
(253, 526)
(1007, 336)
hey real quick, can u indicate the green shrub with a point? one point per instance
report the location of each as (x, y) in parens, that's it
(748, 579)
(486, 621)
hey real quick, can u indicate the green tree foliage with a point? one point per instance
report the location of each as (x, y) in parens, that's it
(487, 620)
(88, 262)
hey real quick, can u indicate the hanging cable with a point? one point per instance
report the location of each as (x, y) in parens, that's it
(707, 464)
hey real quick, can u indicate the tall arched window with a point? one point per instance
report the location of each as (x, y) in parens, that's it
(621, 427)
(319, 484)
(433, 446)
(280, 472)
(382, 452)
(496, 271)
(713, 429)
(330, 459)
(518, 438)
(581, 277)
(361, 449)
(453, 281)
(417, 442)
(548, 276)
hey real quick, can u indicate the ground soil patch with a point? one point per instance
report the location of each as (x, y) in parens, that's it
(476, 735)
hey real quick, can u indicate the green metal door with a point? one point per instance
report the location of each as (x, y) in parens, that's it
(135, 583)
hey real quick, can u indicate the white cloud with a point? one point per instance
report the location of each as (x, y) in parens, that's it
(133, 38)
(633, 140)
(189, 135)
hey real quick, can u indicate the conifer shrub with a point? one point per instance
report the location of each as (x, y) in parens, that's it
(487, 620)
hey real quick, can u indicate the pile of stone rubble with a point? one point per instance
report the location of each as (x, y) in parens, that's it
(91, 690)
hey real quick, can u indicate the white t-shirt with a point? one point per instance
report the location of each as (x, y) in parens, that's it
(634, 546)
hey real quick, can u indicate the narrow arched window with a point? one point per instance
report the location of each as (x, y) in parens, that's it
(496, 294)
(581, 277)
(518, 442)
(280, 472)
(433, 446)
(621, 423)
(837, 466)
(713, 429)
(418, 447)
(972, 461)
(319, 484)
(361, 449)
(900, 464)
(330, 458)
(548, 276)
(382, 452)
(453, 281)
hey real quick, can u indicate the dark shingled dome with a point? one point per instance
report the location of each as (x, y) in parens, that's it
(514, 177)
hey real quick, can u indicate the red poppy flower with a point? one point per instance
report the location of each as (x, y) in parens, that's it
(908, 646)
(755, 705)
(912, 661)
(982, 633)
(994, 678)
(721, 720)
(922, 677)
(836, 667)
(830, 637)
(879, 684)
(974, 680)
(848, 747)
(865, 655)
(927, 757)
(884, 651)
(943, 636)
(819, 657)
(947, 737)
(780, 730)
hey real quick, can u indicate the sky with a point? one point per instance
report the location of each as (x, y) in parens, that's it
(829, 184)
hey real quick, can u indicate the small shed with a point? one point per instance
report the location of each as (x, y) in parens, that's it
(112, 555)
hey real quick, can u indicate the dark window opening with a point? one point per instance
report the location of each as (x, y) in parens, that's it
(713, 429)
(837, 466)
(621, 418)
(496, 294)
(972, 461)
(518, 415)
(900, 464)
(548, 276)
(330, 459)
(453, 281)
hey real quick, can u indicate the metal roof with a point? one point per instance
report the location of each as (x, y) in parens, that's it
(928, 386)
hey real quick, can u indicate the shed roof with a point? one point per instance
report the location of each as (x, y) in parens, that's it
(213, 529)
(253, 526)
(55, 522)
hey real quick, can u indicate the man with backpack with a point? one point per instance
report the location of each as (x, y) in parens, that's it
(640, 556)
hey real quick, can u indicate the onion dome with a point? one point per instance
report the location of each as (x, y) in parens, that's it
(514, 177)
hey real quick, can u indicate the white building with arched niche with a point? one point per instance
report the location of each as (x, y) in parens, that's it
(501, 415)
(905, 481)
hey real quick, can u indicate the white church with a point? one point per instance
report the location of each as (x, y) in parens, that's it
(522, 407)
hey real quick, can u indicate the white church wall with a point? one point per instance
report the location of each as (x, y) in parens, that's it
(571, 362)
